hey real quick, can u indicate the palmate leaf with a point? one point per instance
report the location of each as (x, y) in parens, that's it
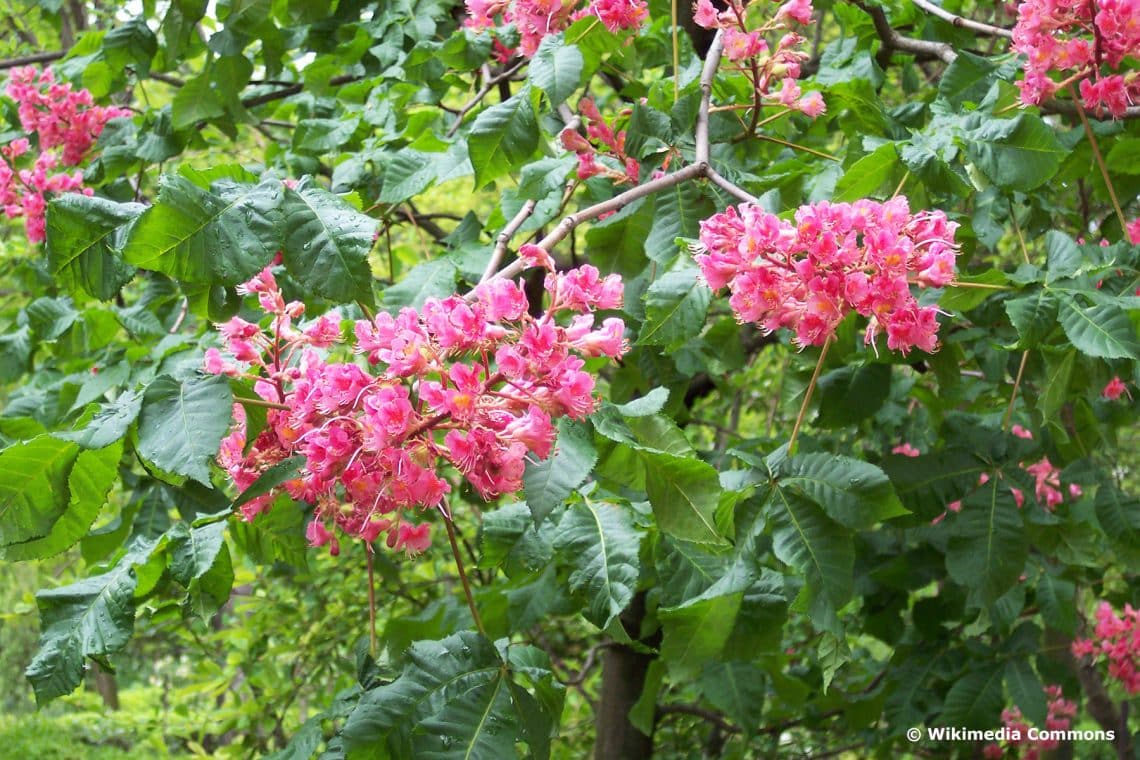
(808, 540)
(675, 308)
(695, 633)
(547, 483)
(200, 561)
(1103, 331)
(601, 544)
(84, 237)
(503, 137)
(89, 481)
(182, 423)
(974, 701)
(327, 243)
(852, 492)
(456, 698)
(221, 236)
(33, 487)
(988, 549)
(684, 492)
(1016, 154)
(92, 618)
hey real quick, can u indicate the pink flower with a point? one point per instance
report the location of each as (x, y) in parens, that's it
(1021, 432)
(1133, 231)
(705, 14)
(1115, 388)
(835, 259)
(906, 450)
(475, 385)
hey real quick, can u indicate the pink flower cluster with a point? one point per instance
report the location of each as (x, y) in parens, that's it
(612, 145)
(835, 259)
(534, 19)
(1116, 638)
(766, 67)
(475, 385)
(65, 124)
(1132, 229)
(1060, 716)
(1081, 41)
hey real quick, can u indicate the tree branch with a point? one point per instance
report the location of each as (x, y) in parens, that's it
(27, 60)
(293, 89)
(489, 84)
(964, 23)
(708, 74)
(505, 238)
(892, 40)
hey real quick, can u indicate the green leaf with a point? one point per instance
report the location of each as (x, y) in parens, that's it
(677, 213)
(695, 633)
(1033, 316)
(286, 469)
(819, 548)
(84, 237)
(988, 548)
(1124, 157)
(1062, 254)
(1103, 331)
(967, 78)
(503, 138)
(1057, 599)
(92, 618)
(683, 492)
(601, 544)
(453, 700)
(109, 424)
(1119, 517)
(868, 174)
(274, 536)
(548, 482)
(320, 136)
(927, 483)
(407, 174)
(556, 68)
(327, 243)
(182, 423)
(738, 690)
(33, 487)
(88, 484)
(200, 562)
(194, 102)
(131, 44)
(1016, 154)
(853, 493)
(675, 309)
(431, 279)
(1058, 374)
(195, 235)
(850, 394)
(1026, 690)
(974, 701)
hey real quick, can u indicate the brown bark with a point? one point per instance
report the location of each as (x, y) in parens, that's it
(106, 686)
(623, 678)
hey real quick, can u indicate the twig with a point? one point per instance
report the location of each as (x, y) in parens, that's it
(588, 663)
(686, 709)
(27, 60)
(158, 76)
(462, 572)
(1069, 108)
(1099, 160)
(708, 73)
(965, 23)
(293, 89)
(892, 40)
(505, 238)
(714, 177)
(246, 401)
(807, 396)
(488, 85)
(1013, 394)
(371, 602)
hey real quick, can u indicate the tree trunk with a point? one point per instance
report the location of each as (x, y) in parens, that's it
(623, 678)
(106, 685)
